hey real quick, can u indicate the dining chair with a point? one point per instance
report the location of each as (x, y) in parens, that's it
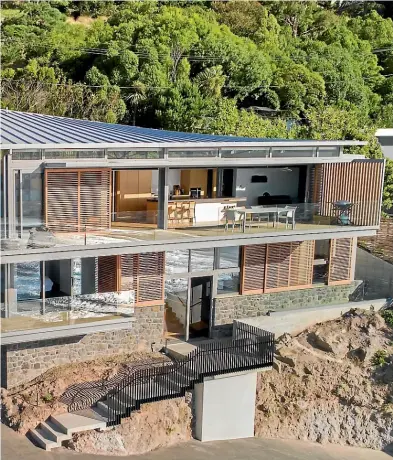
(233, 217)
(288, 216)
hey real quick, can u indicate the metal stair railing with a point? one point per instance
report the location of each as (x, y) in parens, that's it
(251, 348)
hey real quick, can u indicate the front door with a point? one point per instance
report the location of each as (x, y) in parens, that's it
(200, 305)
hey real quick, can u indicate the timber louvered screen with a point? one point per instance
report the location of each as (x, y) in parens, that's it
(289, 266)
(95, 198)
(253, 269)
(141, 273)
(359, 182)
(340, 261)
(301, 264)
(61, 201)
(151, 278)
(77, 200)
(277, 266)
(108, 274)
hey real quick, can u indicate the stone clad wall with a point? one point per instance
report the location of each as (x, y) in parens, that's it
(227, 309)
(24, 361)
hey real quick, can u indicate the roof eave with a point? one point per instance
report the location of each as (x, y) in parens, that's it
(182, 145)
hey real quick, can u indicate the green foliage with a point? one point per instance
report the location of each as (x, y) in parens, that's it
(200, 66)
(387, 315)
(380, 358)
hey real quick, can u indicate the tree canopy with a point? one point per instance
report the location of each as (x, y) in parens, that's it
(325, 67)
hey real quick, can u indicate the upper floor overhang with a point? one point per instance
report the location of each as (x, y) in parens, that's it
(385, 137)
(167, 240)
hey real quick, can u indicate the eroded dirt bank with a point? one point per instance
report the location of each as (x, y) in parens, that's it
(332, 383)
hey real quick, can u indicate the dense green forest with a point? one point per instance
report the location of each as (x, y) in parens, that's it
(325, 68)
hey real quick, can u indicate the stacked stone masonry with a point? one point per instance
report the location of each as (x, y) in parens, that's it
(25, 361)
(228, 309)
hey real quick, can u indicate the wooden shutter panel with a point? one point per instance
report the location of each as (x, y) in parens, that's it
(301, 263)
(359, 182)
(253, 269)
(108, 274)
(95, 197)
(78, 200)
(129, 272)
(277, 266)
(340, 261)
(151, 278)
(61, 200)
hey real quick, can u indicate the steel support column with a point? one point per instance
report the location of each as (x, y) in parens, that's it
(163, 194)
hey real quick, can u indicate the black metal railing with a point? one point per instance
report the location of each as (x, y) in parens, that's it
(250, 348)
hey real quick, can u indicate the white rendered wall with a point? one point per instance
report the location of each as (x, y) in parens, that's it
(225, 407)
(279, 182)
(173, 179)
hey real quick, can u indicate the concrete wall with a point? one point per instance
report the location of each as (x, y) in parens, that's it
(25, 361)
(377, 274)
(295, 321)
(230, 308)
(225, 407)
(279, 182)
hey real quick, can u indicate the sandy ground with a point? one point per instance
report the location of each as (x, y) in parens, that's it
(17, 447)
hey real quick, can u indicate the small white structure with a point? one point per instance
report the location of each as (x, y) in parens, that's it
(385, 137)
(225, 407)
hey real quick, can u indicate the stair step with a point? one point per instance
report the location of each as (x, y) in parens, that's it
(117, 407)
(74, 423)
(40, 439)
(52, 431)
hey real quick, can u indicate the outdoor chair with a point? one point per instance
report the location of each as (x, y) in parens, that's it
(287, 216)
(259, 218)
(234, 218)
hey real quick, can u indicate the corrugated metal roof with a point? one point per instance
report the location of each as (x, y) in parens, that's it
(31, 130)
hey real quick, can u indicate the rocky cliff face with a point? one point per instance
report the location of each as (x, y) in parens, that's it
(327, 385)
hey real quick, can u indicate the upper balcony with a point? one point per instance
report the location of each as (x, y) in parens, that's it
(73, 185)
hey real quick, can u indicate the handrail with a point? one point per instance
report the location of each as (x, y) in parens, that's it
(251, 348)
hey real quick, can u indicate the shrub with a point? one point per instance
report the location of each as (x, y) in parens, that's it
(380, 358)
(387, 315)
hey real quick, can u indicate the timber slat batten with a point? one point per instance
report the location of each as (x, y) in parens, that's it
(359, 182)
(142, 273)
(340, 261)
(78, 200)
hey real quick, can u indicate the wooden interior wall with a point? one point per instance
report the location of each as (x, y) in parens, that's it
(133, 187)
(277, 267)
(191, 178)
(142, 273)
(77, 199)
(359, 182)
(340, 261)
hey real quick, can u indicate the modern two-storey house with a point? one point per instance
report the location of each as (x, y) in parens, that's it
(116, 238)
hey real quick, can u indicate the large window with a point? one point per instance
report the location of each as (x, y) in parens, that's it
(228, 257)
(228, 283)
(202, 259)
(176, 262)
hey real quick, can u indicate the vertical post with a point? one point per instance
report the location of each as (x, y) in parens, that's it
(353, 257)
(11, 303)
(220, 174)
(163, 193)
(113, 217)
(11, 198)
(42, 273)
(188, 311)
(20, 204)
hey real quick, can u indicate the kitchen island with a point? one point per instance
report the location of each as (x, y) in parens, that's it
(186, 211)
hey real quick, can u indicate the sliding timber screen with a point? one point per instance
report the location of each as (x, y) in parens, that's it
(277, 267)
(359, 182)
(77, 200)
(253, 269)
(340, 261)
(141, 273)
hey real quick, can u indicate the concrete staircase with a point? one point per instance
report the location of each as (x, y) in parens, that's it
(59, 428)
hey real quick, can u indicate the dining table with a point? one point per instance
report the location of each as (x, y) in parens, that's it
(259, 210)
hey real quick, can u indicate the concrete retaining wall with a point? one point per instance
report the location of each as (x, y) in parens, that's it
(295, 321)
(25, 361)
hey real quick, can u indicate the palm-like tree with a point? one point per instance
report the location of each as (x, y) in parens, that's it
(210, 81)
